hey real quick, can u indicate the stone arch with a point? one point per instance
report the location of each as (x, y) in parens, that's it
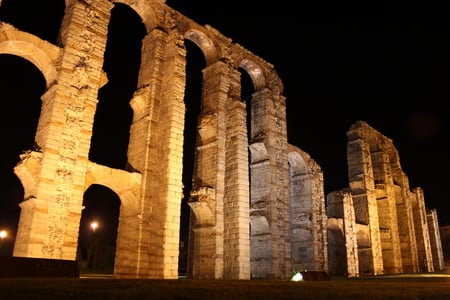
(221, 95)
(125, 184)
(260, 97)
(263, 155)
(97, 238)
(148, 13)
(39, 52)
(298, 162)
(25, 104)
(255, 72)
(151, 188)
(209, 202)
(204, 43)
(307, 213)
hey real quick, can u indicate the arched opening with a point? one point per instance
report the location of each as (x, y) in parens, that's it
(113, 115)
(22, 85)
(98, 230)
(195, 62)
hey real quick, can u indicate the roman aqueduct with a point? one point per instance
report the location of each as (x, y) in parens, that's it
(258, 208)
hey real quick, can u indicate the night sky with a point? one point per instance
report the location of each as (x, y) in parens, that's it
(393, 76)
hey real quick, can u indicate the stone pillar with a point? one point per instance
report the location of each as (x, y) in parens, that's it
(50, 216)
(343, 252)
(319, 233)
(237, 188)
(405, 222)
(351, 238)
(270, 237)
(421, 229)
(435, 240)
(206, 258)
(361, 181)
(387, 212)
(156, 151)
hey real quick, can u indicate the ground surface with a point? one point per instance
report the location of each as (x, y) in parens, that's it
(417, 286)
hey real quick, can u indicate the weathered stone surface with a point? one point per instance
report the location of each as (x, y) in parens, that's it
(387, 220)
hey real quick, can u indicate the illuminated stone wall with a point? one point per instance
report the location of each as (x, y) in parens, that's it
(308, 219)
(392, 227)
(225, 222)
(437, 255)
(343, 234)
(421, 228)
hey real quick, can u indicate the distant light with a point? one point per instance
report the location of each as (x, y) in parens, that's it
(94, 226)
(3, 234)
(297, 277)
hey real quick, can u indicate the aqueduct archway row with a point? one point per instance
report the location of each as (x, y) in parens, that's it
(57, 172)
(257, 203)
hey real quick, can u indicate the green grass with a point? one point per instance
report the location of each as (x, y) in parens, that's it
(379, 287)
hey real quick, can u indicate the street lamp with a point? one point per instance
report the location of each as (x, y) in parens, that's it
(3, 235)
(92, 246)
(94, 225)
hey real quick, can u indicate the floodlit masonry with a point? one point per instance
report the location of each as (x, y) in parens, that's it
(378, 225)
(258, 208)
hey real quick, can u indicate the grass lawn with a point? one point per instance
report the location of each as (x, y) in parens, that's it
(426, 286)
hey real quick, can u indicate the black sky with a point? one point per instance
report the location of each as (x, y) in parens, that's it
(393, 76)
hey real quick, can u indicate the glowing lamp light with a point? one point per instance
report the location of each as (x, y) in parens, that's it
(94, 226)
(3, 235)
(297, 276)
